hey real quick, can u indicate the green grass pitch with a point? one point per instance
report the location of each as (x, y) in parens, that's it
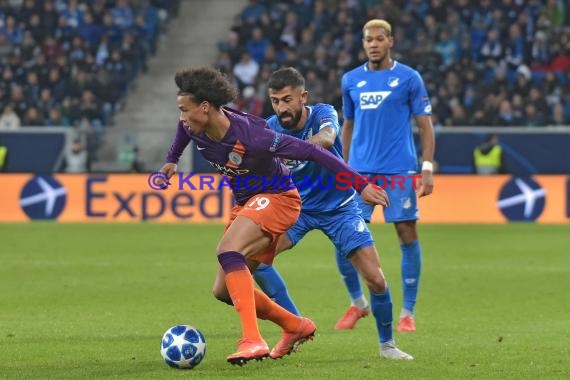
(93, 300)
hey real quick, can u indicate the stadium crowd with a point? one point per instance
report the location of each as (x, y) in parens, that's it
(489, 63)
(71, 62)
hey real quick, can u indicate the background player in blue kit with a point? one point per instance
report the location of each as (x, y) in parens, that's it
(333, 211)
(379, 99)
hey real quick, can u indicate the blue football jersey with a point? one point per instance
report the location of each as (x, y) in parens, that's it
(316, 185)
(382, 104)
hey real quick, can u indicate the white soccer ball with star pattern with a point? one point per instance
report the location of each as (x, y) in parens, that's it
(183, 346)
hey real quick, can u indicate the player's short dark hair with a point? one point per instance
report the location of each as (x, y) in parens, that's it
(287, 76)
(205, 84)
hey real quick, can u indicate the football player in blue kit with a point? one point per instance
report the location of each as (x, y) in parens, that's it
(326, 206)
(380, 98)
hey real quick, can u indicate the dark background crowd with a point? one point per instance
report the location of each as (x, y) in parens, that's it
(72, 62)
(489, 63)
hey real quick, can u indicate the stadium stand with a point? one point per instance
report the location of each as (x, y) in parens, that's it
(72, 63)
(487, 63)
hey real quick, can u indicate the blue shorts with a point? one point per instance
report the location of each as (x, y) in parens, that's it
(403, 202)
(344, 227)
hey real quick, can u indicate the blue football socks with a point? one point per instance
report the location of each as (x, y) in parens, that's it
(272, 284)
(381, 305)
(411, 269)
(351, 280)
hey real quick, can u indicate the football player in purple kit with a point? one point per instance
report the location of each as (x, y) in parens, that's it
(240, 145)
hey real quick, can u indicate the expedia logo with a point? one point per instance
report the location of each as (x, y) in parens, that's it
(371, 100)
(522, 199)
(43, 198)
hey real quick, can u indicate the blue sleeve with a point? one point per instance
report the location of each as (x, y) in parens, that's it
(327, 117)
(418, 96)
(347, 104)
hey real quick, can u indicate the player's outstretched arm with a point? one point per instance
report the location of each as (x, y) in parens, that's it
(324, 138)
(179, 143)
(296, 149)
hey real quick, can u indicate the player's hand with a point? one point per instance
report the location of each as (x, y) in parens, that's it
(425, 187)
(375, 195)
(169, 169)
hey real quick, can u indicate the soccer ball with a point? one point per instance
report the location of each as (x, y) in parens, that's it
(183, 346)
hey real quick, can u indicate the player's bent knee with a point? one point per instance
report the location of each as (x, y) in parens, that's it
(376, 284)
(222, 295)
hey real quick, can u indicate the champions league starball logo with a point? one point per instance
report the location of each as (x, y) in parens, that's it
(43, 198)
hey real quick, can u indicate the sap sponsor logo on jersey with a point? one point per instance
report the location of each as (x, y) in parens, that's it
(521, 199)
(43, 198)
(372, 100)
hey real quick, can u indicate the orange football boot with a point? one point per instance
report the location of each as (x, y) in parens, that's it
(406, 324)
(249, 350)
(291, 341)
(349, 319)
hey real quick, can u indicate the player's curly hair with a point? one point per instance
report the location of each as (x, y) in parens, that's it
(286, 76)
(205, 84)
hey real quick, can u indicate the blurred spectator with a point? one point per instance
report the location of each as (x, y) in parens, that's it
(12, 31)
(46, 102)
(257, 45)
(558, 117)
(70, 111)
(90, 109)
(488, 158)
(447, 48)
(49, 15)
(55, 119)
(555, 12)
(33, 117)
(249, 102)
(252, 13)
(533, 118)
(137, 164)
(9, 119)
(506, 116)
(73, 14)
(122, 15)
(76, 159)
(476, 53)
(540, 50)
(5, 47)
(3, 158)
(53, 50)
(89, 31)
(246, 70)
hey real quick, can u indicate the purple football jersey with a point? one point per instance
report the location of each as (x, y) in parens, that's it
(249, 155)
